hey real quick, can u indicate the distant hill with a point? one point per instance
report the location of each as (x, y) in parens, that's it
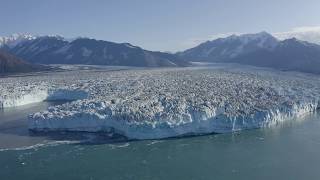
(57, 50)
(260, 49)
(11, 64)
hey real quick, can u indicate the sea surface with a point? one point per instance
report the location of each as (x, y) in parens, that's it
(288, 151)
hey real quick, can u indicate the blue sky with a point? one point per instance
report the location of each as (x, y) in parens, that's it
(166, 25)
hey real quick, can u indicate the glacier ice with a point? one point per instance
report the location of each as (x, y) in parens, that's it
(160, 103)
(15, 93)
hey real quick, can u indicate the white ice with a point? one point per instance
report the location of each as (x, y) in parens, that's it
(160, 103)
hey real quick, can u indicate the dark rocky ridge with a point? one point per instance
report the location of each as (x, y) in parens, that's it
(11, 64)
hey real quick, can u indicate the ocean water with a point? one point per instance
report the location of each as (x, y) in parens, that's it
(288, 151)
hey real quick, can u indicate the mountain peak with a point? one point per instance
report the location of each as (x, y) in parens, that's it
(232, 46)
(256, 36)
(56, 36)
(251, 36)
(264, 33)
(261, 39)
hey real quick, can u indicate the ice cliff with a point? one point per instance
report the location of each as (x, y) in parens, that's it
(160, 103)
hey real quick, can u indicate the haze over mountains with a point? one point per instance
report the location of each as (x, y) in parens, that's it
(261, 49)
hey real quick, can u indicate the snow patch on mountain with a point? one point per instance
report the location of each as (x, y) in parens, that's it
(129, 45)
(15, 39)
(209, 51)
(63, 50)
(86, 52)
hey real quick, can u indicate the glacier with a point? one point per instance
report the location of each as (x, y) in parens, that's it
(13, 95)
(162, 103)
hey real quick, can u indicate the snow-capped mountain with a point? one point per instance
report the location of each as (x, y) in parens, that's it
(260, 49)
(57, 50)
(225, 48)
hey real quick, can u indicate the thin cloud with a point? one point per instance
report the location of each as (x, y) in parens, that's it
(307, 33)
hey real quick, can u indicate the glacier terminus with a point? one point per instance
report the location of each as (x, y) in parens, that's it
(155, 103)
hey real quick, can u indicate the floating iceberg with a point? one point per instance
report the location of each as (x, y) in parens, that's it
(161, 103)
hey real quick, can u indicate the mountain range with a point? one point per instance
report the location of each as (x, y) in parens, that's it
(260, 49)
(57, 50)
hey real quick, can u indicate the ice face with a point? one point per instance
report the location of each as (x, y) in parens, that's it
(18, 92)
(160, 103)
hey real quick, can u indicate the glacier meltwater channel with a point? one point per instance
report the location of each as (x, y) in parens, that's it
(161, 103)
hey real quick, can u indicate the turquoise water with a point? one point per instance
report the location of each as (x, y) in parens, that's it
(289, 151)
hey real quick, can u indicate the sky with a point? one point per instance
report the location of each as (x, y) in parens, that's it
(164, 25)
